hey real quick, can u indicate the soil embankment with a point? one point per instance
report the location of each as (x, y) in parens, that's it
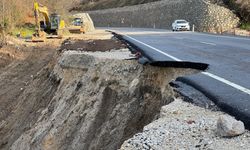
(26, 88)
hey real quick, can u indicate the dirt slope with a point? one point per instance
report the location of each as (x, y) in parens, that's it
(25, 89)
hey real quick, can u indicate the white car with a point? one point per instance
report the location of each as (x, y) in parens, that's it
(180, 25)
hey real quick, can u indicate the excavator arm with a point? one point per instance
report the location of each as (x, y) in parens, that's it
(39, 35)
(44, 11)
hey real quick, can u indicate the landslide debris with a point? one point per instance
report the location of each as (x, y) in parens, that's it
(184, 126)
(98, 103)
(71, 100)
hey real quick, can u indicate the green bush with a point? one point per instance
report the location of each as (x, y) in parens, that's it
(23, 31)
(245, 26)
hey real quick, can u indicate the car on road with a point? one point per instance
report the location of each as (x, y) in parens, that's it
(180, 25)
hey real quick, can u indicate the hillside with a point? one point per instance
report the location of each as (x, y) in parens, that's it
(16, 13)
(23, 7)
(239, 7)
(105, 4)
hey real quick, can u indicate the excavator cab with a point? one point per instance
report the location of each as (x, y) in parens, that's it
(56, 25)
(55, 22)
(77, 22)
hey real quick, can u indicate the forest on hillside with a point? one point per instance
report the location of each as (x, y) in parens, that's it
(16, 13)
(242, 7)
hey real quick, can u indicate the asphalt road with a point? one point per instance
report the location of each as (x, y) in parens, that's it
(226, 81)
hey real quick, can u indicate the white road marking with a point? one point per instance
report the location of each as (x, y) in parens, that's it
(208, 43)
(179, 38)
(225, 81)
(223, 36)
(170, 56)
(236, 86)
(146, 32)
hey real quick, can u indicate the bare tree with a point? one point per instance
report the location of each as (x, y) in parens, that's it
(2, 33)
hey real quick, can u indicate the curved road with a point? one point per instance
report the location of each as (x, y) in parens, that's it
(226, 81)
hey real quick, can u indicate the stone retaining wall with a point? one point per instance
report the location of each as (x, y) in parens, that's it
(205, 16)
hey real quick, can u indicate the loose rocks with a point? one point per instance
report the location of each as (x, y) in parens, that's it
(184, 126)
(229, 127)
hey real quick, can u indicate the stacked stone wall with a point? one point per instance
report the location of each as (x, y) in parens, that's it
(205, 16)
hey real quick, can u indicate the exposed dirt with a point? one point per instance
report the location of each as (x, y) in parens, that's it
(93, 45)
(5, 59)
(52, 99)
(25, 87)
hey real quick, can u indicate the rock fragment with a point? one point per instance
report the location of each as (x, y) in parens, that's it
(133, 85)
(229, 127)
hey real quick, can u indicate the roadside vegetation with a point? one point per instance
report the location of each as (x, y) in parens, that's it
(242, 8)
(245, 26)
(23, 31)
(16, 17)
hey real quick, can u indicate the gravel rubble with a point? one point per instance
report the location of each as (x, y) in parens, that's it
(121, 54)
(184, 126)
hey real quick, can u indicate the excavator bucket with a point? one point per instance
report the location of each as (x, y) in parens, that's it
(39, 36)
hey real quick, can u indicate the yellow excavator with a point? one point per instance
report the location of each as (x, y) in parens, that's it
(77, 25)
(81, 23)
(51, 26)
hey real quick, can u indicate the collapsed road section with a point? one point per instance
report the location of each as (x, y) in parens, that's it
(85, 94)
(225, 82)
(88, 92)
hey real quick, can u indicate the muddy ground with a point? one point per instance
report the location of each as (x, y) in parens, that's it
(52, 99)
